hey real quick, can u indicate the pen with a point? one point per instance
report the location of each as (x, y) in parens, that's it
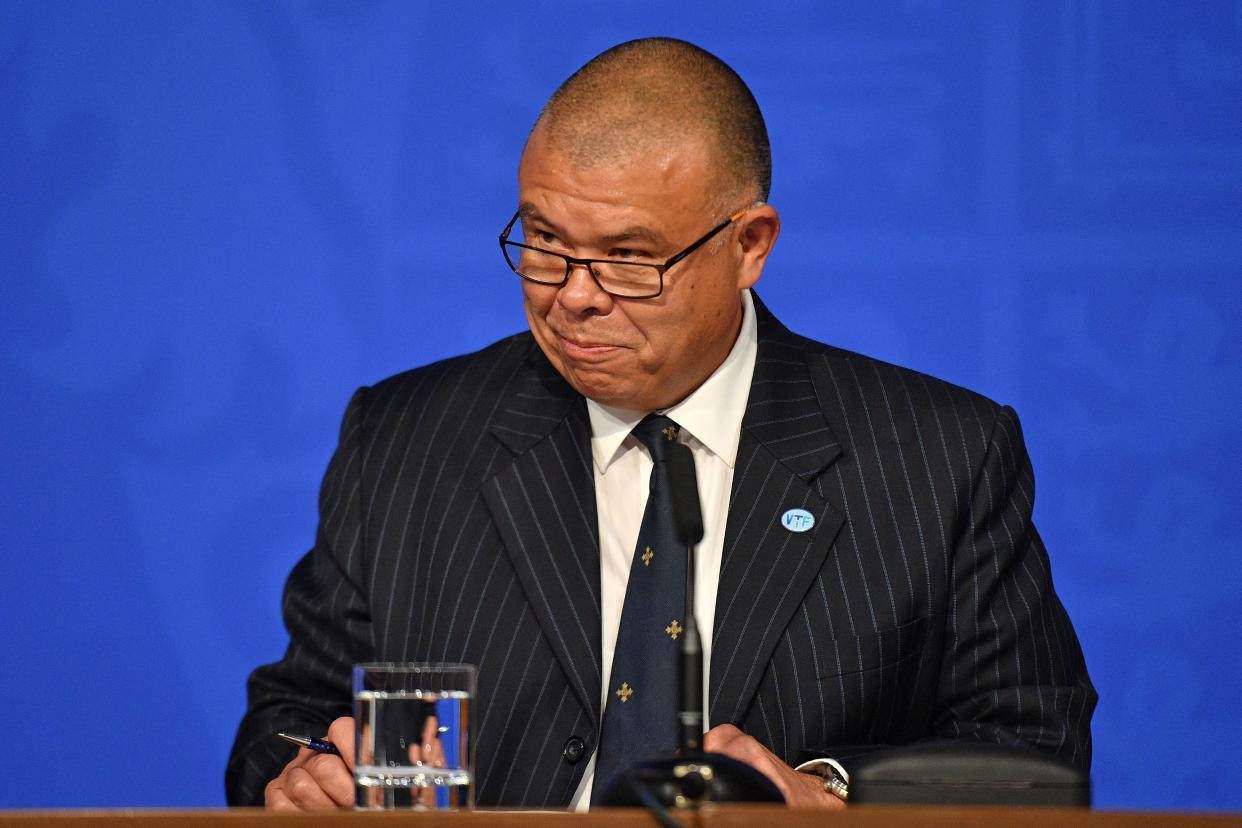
(317, 745)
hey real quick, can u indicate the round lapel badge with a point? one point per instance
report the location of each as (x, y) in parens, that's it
(797, 520)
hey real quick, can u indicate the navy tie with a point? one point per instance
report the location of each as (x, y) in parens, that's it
(640, 717)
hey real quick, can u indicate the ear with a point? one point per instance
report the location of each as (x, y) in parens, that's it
(756, 236)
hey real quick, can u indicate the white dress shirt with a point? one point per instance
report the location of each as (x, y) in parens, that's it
(711, 425)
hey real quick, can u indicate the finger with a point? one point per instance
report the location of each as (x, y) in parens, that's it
(715, 739)
(435, 760)
(341, 734)
(732, 742)
(430, 739)
(740, 749)
(433, 755)
(299, 758)
(304, 791)
(365, 746)
(798, 789)
(275, 798)
(333, 777)
(735, 744)
(415, 751)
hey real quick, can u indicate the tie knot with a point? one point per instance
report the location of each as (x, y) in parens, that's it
(657, 433)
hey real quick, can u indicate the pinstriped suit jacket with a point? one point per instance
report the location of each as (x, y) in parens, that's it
(457, 523)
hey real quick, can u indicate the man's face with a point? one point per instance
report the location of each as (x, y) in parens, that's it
(639, 354)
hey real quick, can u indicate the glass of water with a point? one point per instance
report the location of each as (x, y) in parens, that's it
(413, 735)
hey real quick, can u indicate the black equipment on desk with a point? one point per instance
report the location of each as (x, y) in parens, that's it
(959, 772)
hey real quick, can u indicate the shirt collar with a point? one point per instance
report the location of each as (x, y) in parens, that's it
(712, 414)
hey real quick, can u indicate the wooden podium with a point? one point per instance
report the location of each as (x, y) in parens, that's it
(733, 816)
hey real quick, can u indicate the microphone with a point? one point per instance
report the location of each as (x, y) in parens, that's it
(688, 777)
(684, 489)
(688, 526)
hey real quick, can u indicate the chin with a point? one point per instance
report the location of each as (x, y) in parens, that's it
(603, 395)
(604, 392)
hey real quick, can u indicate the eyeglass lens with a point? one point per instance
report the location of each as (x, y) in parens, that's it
(620, 278)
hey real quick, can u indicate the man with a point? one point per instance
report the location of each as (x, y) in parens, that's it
(869, 573)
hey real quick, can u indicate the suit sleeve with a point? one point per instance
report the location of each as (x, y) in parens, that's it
(1013, 670)
(328, 620)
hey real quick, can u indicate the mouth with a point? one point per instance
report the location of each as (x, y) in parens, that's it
(585, 350)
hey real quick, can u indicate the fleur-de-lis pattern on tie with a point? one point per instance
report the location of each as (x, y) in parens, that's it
(645, 661)
(674, 629)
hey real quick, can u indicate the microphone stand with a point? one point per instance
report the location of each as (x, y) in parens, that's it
(688, 777)
(690, 714)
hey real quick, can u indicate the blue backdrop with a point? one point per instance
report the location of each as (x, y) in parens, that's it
(217, 219)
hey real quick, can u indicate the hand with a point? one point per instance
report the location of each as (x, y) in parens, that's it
(801, 790)
(430, 752)
(317, 781)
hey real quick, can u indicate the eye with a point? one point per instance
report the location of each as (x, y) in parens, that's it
(539, 237)
(628, 253)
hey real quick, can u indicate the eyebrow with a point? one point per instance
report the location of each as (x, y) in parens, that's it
(633, 233)
(528, 211)
(636, 233)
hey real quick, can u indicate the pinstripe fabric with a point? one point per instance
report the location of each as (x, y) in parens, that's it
(921, 604)
(458, 523)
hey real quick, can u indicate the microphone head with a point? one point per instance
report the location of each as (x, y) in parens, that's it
(684, 489)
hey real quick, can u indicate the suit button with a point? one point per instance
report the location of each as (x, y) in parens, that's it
(574, 748)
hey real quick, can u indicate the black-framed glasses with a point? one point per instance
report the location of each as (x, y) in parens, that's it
(627, 280)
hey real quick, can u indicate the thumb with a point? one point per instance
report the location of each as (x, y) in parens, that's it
(341, 734)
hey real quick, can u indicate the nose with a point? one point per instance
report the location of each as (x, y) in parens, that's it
(581, 294)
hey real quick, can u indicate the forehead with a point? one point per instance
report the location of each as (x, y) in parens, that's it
(667, 185)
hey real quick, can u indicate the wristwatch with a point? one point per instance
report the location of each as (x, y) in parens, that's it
(836, 786)
(834, 781)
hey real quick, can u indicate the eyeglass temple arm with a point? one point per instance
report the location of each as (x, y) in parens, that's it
(710, 234)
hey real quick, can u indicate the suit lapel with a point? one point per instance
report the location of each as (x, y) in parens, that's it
(767, 568)
(543, 505)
